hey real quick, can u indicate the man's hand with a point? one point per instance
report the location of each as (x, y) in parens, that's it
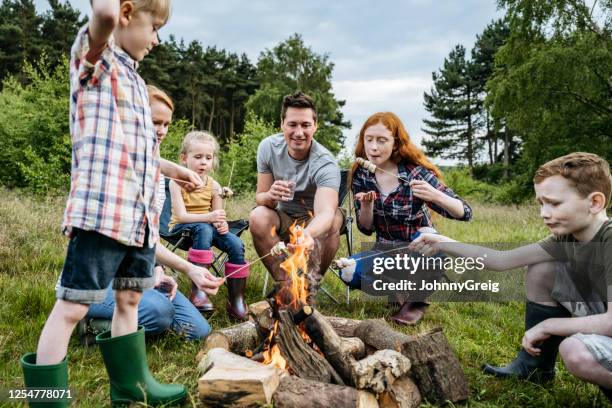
(190, 180)
(425, 191)
(279, 191)
(533, 337)
(217, 216)
(222, 227)
(304, 239)
(428, 244)
(205, 280)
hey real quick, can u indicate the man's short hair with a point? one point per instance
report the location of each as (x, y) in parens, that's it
(298, 100)
(157, 94)
(587, 172)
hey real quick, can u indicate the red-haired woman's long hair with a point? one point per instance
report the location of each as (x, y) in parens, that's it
(403, 149)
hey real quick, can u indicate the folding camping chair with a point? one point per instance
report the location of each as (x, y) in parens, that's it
(183, 239)
(346, 230)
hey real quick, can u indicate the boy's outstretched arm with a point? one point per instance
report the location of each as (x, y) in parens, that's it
(104, 19)
(430, 244)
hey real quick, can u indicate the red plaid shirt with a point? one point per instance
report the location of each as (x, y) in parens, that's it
(401, 214)
(115, 154)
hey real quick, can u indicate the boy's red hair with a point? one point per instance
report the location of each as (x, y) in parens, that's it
(587, 172)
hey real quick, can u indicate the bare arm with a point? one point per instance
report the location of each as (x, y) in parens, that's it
(452, 205)
(325, 205)
(201, 276)
(217, 201)
(104, 19)
(495, 260)
(175, 171)
(179, 211)
(365, 215)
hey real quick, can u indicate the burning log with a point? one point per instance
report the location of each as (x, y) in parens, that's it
(404, 393)
(237, 339)
(379, 371)
(325, 337)
(296, 392)
(435, 367)
(303, 360)
(234, 381)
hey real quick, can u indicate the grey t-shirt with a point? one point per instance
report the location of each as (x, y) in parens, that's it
(585, 270)
(318, 170)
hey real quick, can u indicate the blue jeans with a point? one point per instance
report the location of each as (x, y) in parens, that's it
(204, 235)
(157, 313)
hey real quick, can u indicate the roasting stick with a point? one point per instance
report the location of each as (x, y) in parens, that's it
(277, 249)
(335, 263)
(229, 183)
(372, 168)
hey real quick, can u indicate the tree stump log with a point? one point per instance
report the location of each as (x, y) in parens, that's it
(237, 339)
(435, 368)
(297, 392)
(379, 371)
(303, 361)
(234, 381)
(344, 326)
(325, 337)
(404, 393)
(378, 334)
(353, 346)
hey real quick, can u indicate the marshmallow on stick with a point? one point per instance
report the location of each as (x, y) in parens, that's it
(226, 192)
(279, 249)
(366, 164)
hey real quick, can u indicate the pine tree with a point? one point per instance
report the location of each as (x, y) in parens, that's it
(453, 104)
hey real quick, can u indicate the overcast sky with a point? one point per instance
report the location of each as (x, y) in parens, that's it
(384, 51)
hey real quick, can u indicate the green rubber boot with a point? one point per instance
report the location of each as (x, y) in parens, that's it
(125, 358)
(45, 376)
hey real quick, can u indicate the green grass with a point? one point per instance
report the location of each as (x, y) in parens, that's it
(31, 257)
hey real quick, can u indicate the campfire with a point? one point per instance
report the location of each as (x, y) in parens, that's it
(291, 354)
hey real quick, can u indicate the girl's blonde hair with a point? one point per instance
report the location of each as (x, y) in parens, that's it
(202, 137)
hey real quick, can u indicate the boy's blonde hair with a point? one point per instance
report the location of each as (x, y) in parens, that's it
(157, 94)
(587, 172)
(159, 8)
(202, 137)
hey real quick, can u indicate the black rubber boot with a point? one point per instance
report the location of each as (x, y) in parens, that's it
(540, 369)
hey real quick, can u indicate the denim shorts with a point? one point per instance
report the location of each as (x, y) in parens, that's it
(94, 260)
(599, 346)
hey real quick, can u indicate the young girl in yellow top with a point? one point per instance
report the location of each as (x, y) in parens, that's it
(202, 213)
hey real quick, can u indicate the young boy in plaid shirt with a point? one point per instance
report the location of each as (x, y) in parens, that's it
(111, 214)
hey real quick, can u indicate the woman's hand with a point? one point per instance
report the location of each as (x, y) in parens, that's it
(189, 179)
(366, 198)
(425, 191)
(204, 280)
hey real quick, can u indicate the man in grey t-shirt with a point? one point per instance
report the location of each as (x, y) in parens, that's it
(297, 180)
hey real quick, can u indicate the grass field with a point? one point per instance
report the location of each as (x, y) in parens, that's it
(31, 257)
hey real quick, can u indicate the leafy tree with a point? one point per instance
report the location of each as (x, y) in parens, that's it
(552, 79)
(289, 67)
(59, 27)
(454, 106)
(20, 38)
(34, 134)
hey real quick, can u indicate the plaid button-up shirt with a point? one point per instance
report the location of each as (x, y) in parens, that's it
(401, 214)
(115, 154)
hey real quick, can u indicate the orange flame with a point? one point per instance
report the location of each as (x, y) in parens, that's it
(296, 267)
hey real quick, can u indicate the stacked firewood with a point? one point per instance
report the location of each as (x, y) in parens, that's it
(350, 363)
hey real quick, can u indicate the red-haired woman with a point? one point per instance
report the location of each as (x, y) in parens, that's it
(393, 200)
